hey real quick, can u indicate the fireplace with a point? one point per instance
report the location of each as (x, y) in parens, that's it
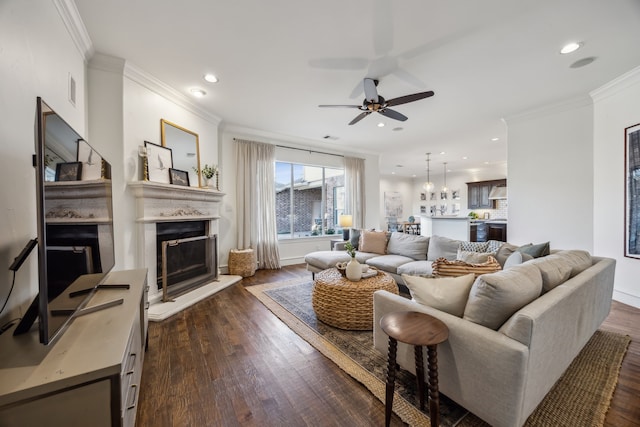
(168, 213)
(186, 256)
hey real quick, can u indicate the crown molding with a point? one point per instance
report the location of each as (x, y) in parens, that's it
(619, 84)
(111, 64)
(155, 85)
(555, 108)
(75, 27)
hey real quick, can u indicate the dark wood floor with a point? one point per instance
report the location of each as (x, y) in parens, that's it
(227, 361)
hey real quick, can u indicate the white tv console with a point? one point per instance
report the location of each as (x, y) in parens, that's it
(90, 375)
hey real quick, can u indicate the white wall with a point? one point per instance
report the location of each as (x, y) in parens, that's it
(550, 158)
(126, 107)
(291, 251)
(37, 54)
(616, 106)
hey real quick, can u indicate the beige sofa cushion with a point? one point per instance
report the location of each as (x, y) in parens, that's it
(374, 242)
(579, 260)
(409, 245)
(445, 268)
(473, 257)
(448, 294)
(554, 269)
(495, 297)
(442, 247)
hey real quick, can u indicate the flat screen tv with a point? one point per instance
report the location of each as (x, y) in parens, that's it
(74, 222)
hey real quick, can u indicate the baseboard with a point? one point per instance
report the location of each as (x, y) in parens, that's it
(626, 298)
(291, 261)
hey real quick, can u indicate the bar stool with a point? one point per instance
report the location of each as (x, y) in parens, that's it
(416, 329)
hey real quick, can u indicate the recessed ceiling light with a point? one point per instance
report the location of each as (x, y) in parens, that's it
(198, 93)
(486, 163)
(211, 78)
(464, 157)
(495, 139)
(380, 125)
(442, 152)
(393, 173)
(571, 47)
(414, 175)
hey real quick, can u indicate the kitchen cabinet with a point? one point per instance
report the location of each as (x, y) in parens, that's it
(478, 193)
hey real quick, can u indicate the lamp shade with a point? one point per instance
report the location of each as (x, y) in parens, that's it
(345, 220)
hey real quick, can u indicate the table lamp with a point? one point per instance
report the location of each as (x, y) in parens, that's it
(345, 221)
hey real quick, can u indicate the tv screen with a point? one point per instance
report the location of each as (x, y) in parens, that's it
(75, 222)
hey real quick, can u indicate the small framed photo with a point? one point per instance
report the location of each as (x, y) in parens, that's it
(70, 171)
(443, 195)
(159, 161)
(432, 196)
(423, 196)
(455, 194)
(423, 209)
(178, 177)
(91, 161)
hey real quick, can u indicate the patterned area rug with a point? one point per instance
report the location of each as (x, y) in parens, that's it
(585, 388)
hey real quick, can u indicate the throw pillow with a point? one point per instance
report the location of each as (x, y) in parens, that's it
(554, 270)
(473, 257)
(516, 258)
(444, 267)
(373, 242)
(579, 260)
(474, 246)
(494, 298)
(448, 294)
(442, 247)
(408, 245)
(355, 237)
(535, 251)
(506, 249)
(494, 245)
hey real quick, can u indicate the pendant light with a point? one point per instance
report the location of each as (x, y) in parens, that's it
(428, 186)
(444, 188)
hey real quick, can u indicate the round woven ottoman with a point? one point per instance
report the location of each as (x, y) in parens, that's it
(344, 304)
(242, 262)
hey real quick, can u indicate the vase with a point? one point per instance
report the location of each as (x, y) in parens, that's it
(207, 182)
(354, 270)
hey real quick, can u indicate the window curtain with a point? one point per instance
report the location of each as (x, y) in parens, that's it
(256, 201)
(354, 186)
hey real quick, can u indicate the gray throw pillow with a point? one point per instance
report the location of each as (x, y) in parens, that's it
(442, 247)
(495, 297)
(408, 245)
(516, 258)
(536, 251)
(505, 251)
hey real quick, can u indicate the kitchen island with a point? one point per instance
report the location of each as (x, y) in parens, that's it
(454, 227)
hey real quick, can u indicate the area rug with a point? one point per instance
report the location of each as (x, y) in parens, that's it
(581, 397)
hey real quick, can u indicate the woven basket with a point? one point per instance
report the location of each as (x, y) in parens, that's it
(344, 304)
(242, 262)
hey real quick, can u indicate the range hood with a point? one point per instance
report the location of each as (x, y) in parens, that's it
(498, 192)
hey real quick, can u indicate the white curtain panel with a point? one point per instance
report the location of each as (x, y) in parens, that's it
(256, 201)
(354, 186)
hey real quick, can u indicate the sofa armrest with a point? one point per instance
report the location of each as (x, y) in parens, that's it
(503, 362)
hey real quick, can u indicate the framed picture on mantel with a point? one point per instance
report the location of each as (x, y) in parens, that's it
(632, 191)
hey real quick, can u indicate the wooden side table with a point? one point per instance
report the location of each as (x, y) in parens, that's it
(416, 329)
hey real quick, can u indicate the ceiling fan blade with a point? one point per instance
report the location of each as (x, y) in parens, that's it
(409, 98)
(393, 114)
(370, 91)
(359, 117)
(340, 106)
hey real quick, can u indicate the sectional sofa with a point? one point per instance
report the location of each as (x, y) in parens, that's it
(397, 253)
(512, 333)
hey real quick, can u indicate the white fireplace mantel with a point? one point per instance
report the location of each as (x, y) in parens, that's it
(157, 202)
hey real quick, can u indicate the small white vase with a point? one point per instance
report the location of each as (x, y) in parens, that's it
(354, 270)
(207, 182)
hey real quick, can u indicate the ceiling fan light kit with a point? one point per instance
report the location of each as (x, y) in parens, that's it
(375, 103)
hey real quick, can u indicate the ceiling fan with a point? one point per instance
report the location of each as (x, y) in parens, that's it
(376, 103)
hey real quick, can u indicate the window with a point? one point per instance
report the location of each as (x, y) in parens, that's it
(308, 200)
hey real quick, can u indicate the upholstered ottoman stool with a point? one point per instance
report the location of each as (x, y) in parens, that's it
(242, 262)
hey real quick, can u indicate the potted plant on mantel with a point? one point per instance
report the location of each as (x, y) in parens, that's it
(208, 172)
